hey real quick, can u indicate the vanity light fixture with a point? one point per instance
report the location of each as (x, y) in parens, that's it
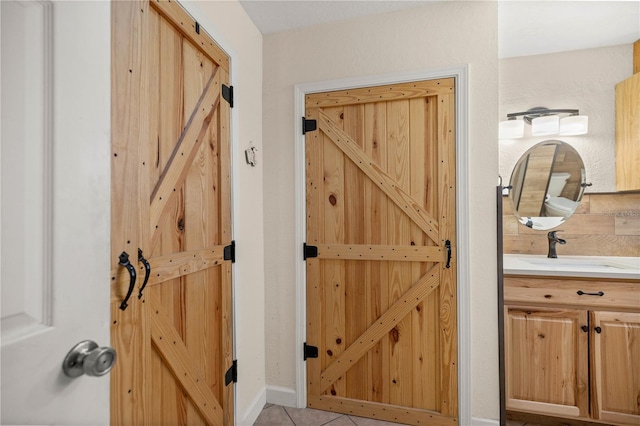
(544, 122)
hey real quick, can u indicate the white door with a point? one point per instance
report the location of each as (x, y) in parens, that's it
(55, 207)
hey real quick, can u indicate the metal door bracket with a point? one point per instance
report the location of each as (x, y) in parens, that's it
(308, 125)
(310, 351)
(309, 251)
(230, 252)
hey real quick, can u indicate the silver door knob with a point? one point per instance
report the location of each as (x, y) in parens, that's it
(87, 358)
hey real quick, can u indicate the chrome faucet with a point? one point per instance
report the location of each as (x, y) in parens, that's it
(553, 239)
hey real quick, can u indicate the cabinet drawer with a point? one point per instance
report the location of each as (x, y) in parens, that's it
(620, 295)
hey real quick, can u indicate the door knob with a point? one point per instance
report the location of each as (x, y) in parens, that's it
(87, 358)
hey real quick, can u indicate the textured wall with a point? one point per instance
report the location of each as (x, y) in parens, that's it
(437, 35)
(581, 79)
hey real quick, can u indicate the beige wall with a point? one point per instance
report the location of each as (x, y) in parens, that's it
(436, 35)
(581, 79)
(228, 23)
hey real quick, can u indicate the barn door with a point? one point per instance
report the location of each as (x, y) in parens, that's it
(170, 211)
(381, 293)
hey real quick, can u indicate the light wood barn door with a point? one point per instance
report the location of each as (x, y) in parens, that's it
(171, 199)
(381, 299)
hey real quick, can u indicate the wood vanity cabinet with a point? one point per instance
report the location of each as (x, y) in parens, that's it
(571, 355)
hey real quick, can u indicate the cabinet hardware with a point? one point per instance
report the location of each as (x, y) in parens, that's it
(580, 293)
(584, 328)
(147, 272)
(124, 261)
(598, 330)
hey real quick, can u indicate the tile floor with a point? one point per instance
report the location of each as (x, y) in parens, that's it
(276, 415)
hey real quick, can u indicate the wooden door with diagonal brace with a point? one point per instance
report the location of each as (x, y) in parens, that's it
(171, 209)
(381, 293)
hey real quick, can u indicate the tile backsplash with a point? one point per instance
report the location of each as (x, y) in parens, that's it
(603, 225)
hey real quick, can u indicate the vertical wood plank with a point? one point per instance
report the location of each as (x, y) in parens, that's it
(376, 273)
(399, 233)
(199, 296)
(356, 322)
(163, 131)
(128, 122)
(224, 178)
(315, 232)
(425, 318)
(333, 203)
(448, 297)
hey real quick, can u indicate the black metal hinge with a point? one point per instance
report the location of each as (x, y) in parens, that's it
(230, 252)
(227, 94)
(197, 27)
(309, 251)
(232, 374)
(308, 125)
(310, 351)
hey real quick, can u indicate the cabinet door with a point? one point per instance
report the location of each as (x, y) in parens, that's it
(616, 367)
(546, 353)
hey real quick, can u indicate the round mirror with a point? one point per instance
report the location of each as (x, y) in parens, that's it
(547, 184)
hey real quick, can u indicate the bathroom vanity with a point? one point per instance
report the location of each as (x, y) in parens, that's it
(572, 339)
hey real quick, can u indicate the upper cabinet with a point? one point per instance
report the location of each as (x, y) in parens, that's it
(628, 128)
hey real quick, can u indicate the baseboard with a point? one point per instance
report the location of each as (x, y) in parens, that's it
(484, 422)
(281, 396)
(252, 413)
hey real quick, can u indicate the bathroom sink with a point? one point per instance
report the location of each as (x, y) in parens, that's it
(575, 266)
(586, 263)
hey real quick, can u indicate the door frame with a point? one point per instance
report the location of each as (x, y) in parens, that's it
(460, 74)
(210, 28)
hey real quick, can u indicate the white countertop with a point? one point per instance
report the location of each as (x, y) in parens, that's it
(613, 267)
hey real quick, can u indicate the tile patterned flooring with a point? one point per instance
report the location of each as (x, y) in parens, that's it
(276, 415)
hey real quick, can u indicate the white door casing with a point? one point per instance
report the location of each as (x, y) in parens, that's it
(55, 207)
(461, 75)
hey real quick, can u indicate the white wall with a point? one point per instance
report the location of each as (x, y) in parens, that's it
(436, 35)
(581, 79)
(229, 25)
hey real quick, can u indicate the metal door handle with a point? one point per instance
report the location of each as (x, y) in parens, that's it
(87, 358)
(124, 261)
(147, 272)
(447, 244)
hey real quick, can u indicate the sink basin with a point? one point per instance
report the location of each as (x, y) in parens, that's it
(574, 266)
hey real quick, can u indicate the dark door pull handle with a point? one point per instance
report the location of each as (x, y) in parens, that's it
(598, 330)
(147, 272)
(124, 261)
(584, 328)
(447, 244)
(580, 293)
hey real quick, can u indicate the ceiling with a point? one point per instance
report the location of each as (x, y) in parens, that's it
(525, 27)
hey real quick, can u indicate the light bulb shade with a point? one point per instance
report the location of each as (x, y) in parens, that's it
(511, 129)
(574, 125)
(546, 125)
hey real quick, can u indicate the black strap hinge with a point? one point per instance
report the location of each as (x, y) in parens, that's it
(308, 125)
(231, 376)
(197, 27)
(309, 251)
(230, 252)
(227, 94)
(310, 351)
